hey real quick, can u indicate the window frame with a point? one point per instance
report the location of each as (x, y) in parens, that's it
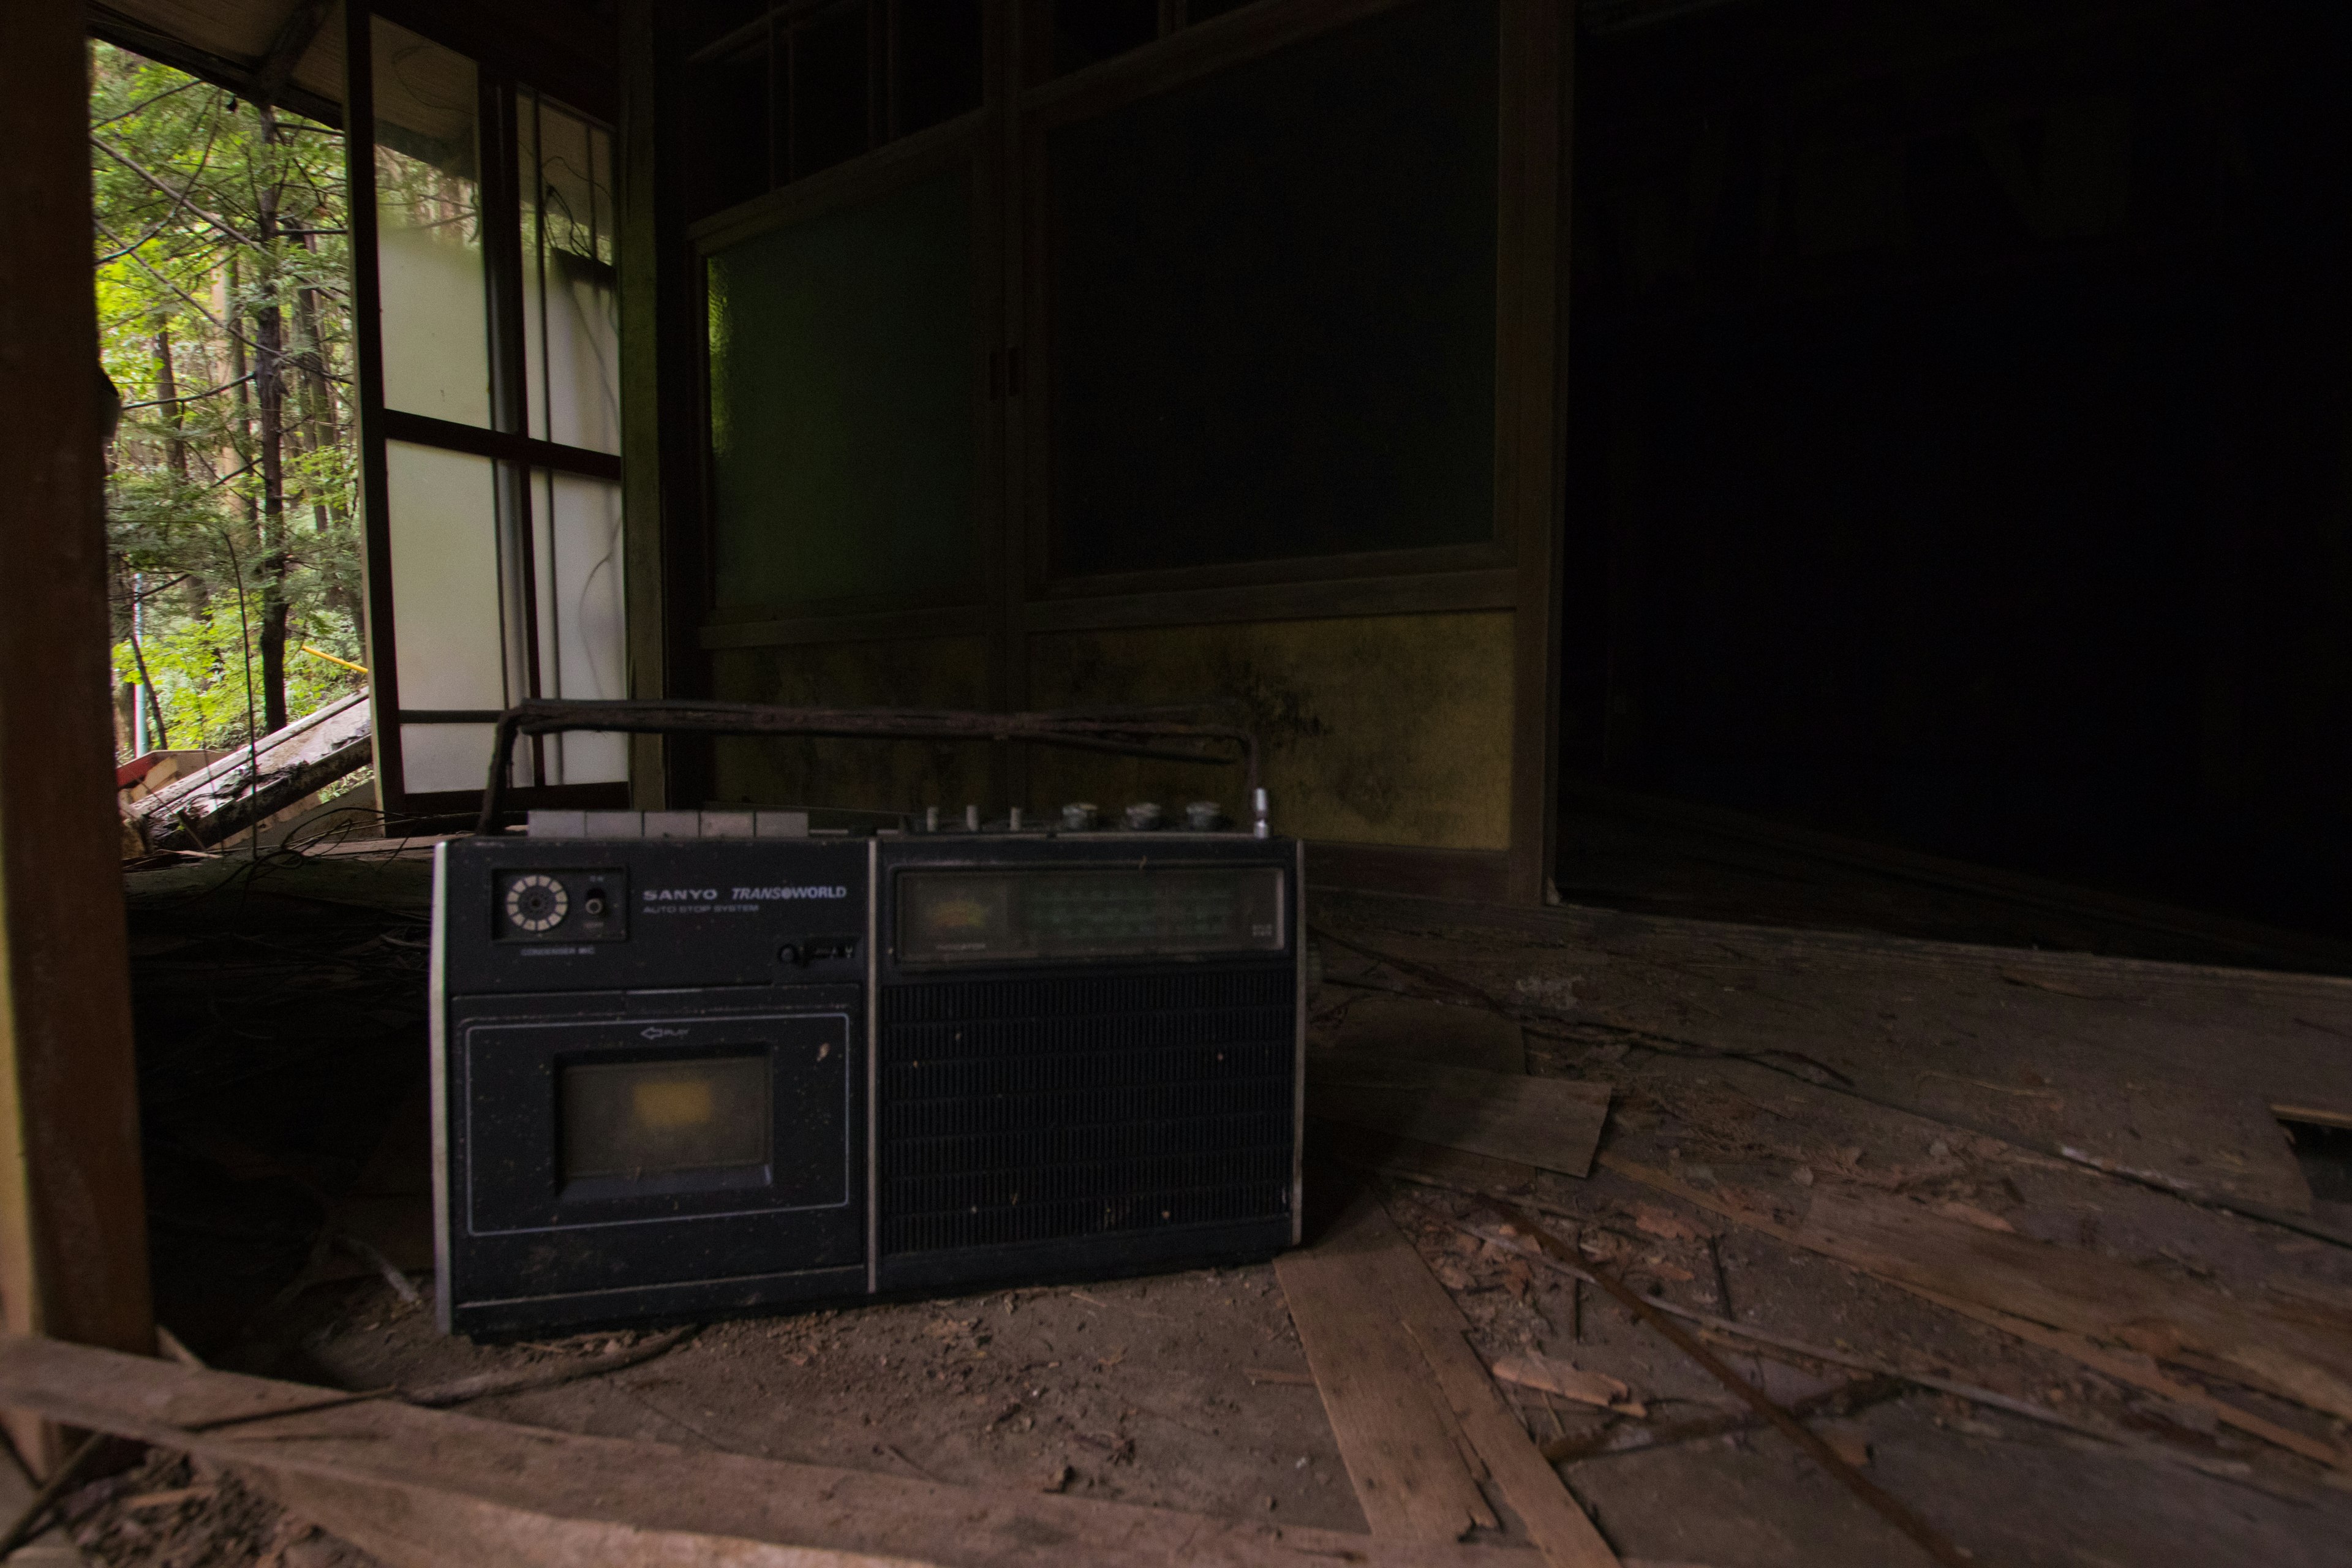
(506, 441)
(1515, 570)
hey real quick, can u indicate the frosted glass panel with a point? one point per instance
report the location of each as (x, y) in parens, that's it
(441, 518)
(446, 756)
(583, 650)
(429, 229)
(571, 326)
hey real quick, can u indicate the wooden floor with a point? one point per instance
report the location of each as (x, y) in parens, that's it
(2113, 1111)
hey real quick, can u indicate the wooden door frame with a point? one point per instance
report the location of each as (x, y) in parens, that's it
(73, 1221)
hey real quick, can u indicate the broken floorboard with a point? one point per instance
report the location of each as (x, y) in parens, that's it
(1402, 1451)
(1412, 1404)
(2043, 1306)
(1968, 1254)
(2163, 1072)
(428, 1490)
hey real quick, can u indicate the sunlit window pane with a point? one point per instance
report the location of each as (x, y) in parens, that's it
(570, 297)
(582, 651)
(442, 516)
(435, 757)
(429, 229)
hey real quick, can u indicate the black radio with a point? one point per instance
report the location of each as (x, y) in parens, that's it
(692, 1063)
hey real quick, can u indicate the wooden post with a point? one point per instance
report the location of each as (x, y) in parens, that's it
(73, 1242)
(1537, 88)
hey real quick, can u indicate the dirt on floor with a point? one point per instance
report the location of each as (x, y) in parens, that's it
(1743, 1065)
(169, 1512)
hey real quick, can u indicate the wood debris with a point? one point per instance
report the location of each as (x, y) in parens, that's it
(1569, 1381)
(1914, 1274)
(255, 782)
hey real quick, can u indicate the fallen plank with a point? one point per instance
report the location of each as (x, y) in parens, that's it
(1554, 1521)
(1552, 1123)
(2140, 1371)
(1386, 1344)
(1396, 1439)
(250, 783)
(1366, 1150)
(422, 1489)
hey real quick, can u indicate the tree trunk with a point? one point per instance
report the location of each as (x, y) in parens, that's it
(269, 392)
(322, 420)
(167, 390)
(233, 314)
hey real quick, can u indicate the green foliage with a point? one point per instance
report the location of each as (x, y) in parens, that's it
(212, 218)
(199, 666)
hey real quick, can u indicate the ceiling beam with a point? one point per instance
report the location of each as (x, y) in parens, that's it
(238, 77)
(293, 41)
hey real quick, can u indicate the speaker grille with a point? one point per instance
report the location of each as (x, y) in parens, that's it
(1044, 1109)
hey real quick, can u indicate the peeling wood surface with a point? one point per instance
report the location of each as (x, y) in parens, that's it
(2086, 1293)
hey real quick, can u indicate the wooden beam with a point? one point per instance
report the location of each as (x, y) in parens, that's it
(73, 1244)
(644, 539)
(293, 40)
(1530, 426)
(425, 1489)
(141, 38)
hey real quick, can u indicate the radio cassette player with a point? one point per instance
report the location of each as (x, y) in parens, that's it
(692, 1064)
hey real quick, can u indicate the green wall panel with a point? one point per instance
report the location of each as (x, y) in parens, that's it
(842, 426)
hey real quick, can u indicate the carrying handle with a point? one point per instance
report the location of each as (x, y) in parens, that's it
(1122, 731)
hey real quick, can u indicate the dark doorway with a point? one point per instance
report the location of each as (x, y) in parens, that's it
(1961, 444)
